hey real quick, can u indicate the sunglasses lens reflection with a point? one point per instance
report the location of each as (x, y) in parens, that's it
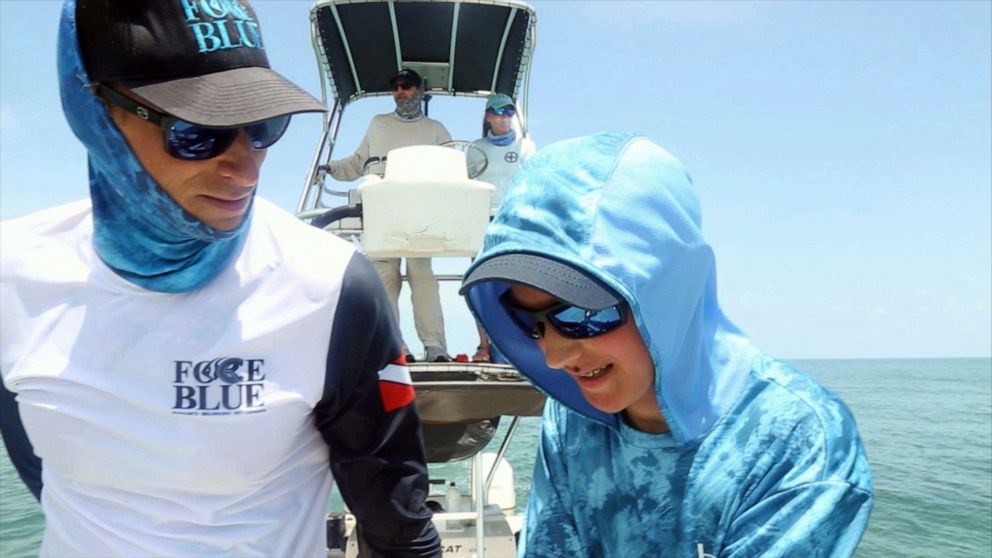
(570, 321)
(194, 142)
(189, 141)
(580, 323)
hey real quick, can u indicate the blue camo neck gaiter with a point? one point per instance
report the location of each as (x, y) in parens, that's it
(140, 232)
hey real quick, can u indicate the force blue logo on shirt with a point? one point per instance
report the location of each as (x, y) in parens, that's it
(222, 386)
(511, 157)
(221, 24)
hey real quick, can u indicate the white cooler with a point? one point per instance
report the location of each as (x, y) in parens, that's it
(425, 206)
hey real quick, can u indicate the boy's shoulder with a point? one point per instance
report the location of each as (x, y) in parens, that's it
(784, 389)
(788, 422)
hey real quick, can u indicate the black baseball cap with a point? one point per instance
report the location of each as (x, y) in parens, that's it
(407, 75)
(558, 279)
(200, 61)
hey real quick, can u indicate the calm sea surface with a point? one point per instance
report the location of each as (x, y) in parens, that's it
(927, 425)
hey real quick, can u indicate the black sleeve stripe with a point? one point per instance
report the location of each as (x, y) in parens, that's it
(19, 448)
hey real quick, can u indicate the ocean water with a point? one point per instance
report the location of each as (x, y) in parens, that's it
(926, 423)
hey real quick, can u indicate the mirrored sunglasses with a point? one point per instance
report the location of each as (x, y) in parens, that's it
(570, 321)
(503, 111)
(188, 141)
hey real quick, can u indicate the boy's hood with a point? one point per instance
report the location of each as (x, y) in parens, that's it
(139, 230)
(623, 210)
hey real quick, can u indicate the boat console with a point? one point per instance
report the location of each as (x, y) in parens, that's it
(423, 201)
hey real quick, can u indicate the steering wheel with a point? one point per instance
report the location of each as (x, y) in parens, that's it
(475, 158)
(374, 161)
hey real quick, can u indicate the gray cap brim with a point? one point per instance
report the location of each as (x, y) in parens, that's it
(230, 98)
(559, 280)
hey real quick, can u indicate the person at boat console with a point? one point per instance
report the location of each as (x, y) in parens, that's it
(405, 126)
(506, 148)
(193, 367)
(667, 432)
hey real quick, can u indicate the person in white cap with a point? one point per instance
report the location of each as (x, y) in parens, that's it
(187, 368)
(405, 126)
(506, 148)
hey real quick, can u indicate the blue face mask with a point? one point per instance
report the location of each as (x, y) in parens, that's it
(501, 140)
(138, 230)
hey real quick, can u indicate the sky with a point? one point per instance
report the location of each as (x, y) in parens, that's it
(842, 151)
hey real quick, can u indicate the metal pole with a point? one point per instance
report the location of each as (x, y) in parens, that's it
(502, 450)
(480, 506)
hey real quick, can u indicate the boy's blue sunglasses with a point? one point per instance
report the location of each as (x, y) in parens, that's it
(503, 111)
(193, 142)
(568, 320)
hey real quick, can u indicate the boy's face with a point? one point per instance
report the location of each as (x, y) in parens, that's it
(614, 370)
(217, 191)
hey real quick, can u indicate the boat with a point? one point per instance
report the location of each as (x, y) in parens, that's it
(461, 48)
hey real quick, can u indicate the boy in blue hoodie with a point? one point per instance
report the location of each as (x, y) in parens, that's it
(667, 432)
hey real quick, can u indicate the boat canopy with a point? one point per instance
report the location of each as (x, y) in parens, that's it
(468, 48)
(459, 47)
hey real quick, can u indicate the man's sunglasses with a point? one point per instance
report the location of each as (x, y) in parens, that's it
(503, 111)
(568, 320)
(404, 85)
(184, 140)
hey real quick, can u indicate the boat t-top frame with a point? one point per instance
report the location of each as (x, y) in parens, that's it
(461, 48)
(469, 48)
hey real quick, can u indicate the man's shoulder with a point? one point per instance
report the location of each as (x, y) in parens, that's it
(32, 244)
(52, 217)
(287, 228)
(437, 125)
(432, 122)
(277, 235)
(384, 123)
(390, 119)
(52, 224)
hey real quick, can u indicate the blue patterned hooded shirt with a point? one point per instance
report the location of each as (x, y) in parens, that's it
(760, 460)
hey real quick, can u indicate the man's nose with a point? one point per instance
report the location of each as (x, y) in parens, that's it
(240, 162)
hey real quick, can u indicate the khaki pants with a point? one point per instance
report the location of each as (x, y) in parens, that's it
(424, 295)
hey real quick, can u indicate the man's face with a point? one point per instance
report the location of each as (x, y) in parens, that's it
(500, 124)
(614, 370)
(403, 90)
(217, 191)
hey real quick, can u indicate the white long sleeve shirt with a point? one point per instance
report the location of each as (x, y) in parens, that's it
(504, 162)
(387, 132)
